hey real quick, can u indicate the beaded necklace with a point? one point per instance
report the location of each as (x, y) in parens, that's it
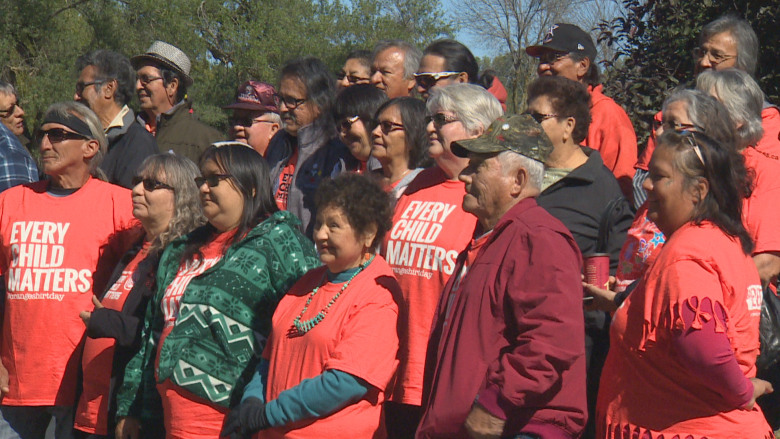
(302, 327)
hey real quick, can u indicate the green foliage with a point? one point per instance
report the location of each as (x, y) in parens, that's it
(653, 45)
(228, 41)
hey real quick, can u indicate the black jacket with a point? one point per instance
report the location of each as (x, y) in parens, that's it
(128, 147)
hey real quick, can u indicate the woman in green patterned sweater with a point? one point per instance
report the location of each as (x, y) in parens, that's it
(218, 288)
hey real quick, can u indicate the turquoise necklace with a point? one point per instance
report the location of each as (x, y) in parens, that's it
(302, 327)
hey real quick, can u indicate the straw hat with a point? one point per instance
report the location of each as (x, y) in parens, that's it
(167, 55)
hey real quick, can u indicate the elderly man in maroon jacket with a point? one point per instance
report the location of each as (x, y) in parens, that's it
(506, 358)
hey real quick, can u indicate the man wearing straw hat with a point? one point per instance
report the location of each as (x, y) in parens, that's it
(163, 76)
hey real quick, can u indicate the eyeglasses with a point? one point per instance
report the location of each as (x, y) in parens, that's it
(9, 111)
(690, 139)
(246, 121)
(150, 184)
(80, 86)
(211, 180)
(440, 119)
(387, 126)
(539, 117)
(346, 124)
(145, 80)
(428, 80)
(352, 79)
(290, 102)
(551, 57)
(57, 135)
(714, 57)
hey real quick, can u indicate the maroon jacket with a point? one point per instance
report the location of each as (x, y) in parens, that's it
(513, 336)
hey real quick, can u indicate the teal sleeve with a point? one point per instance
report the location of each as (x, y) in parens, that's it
(316, 397)
(256, 387)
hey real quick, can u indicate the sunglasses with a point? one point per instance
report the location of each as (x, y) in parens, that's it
(9, 111)
(145, 80)
(540, 117)
(551, 57)
(212, 180)
(387, 126)
(290, 102)
(57, 135)
(352, 79)
(81, 86)
(150, 184)
(346, 124)
(428, 80)
(440, 119)
(245, 121)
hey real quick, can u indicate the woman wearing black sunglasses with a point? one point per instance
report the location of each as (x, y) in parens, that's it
(217, 289)
(165, 201)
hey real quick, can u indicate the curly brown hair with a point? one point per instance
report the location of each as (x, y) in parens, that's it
(363, 201)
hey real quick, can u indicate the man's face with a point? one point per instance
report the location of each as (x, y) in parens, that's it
(435, 64)
(487, 188)
(552, 63)
(65, 155)
(388, 73)
(254, 128)
(151, 91)
(717, 53)
(301, 111)
(87, 89)
(11, 114)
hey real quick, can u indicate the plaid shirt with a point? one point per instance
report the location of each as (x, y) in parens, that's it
(16, 164)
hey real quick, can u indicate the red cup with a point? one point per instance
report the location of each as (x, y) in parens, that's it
(597, 270)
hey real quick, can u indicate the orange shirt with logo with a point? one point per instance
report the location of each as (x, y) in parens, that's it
(286, 180)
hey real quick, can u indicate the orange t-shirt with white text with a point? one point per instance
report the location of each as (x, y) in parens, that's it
(49, 256)
(98, 358)
(429, 229)
(286, 180)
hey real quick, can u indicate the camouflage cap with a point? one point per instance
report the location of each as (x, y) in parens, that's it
(519, 133)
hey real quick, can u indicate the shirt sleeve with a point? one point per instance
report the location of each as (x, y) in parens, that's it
(16, 165)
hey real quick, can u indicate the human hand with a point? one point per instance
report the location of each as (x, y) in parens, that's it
(87, 315)
(760, 387)
(603, 300)
(3, 381)
(480, 424)
(128, 428)
(245, 420)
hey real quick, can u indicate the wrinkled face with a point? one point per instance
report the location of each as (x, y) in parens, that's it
(675, 118)
(11, 114)
(87, 88)
(553, 63)
(669, 203)
(388, 73)
(295, 116)
(151, 91)
(355, 72)
(441, 136)
(717, 53)
(223, 203)
(153, 207)
(487, 187)
(540, 108)
(255, 128)
(355, 134)
(65, 156)
(389, 137)
(339, 245)
(435, 64)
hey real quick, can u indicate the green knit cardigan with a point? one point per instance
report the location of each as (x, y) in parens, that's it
(224, 318)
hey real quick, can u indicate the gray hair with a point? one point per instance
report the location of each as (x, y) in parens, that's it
(178, 172)
(71, 108)
(706, 113)
(473, 105)
(511, 160)
(742, 96)
(6, 89)
(747, 41)
(412, 55)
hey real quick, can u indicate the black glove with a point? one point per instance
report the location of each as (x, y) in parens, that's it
(245, 420)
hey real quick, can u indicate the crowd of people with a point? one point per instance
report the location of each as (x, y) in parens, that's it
(383, 253)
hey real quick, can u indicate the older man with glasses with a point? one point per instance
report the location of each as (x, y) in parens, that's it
(255, 118)
(16, 164)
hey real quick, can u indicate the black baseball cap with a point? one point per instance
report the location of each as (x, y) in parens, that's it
(567, 38)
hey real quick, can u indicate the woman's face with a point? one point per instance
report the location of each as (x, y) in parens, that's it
(223, 204)
(389, 137)
(541, 109)
(355, 135)
(153, 208)
(675, 118)
(441, 136)
(669, 203)
(338, 243)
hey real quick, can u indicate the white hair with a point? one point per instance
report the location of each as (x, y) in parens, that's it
(741, 96)
(511, 160)
(473, 105)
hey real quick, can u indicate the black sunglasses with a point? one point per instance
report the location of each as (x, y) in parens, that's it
(150, 184)
(57, 135)
(81, 86)
(212, 180)
(352, 79)
(387, 126)
(539, 117)
(245, 121)
(440, 119)
(428, 80)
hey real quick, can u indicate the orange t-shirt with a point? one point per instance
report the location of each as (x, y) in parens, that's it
(186, 415)
(761, 212)
(286, 180)
(357, 336)
(98, 358)
(612, 135)
(429, 229)
(649, 391)
(50, 253)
